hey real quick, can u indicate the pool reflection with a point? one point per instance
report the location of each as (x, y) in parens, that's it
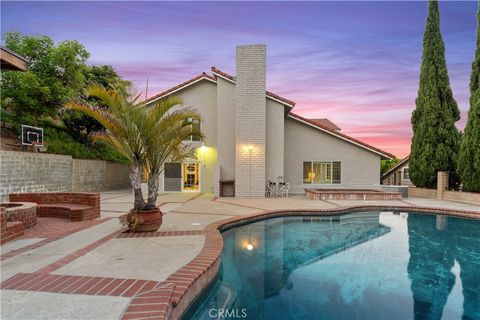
(435, 242)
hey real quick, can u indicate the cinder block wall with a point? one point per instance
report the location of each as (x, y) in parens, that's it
(34, 172)
(99, 175)
(22, 172)
(250, 121)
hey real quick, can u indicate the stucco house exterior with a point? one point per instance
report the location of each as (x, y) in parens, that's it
(252, 137)
(398, 175)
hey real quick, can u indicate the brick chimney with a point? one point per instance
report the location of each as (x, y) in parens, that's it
(250, 121)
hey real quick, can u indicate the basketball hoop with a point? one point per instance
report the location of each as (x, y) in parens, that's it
(39, 146)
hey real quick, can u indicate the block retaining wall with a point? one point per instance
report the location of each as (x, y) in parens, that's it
(456, 196)
(39, 172)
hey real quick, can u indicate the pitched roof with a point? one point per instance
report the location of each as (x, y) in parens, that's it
(321, 125)
(398, 165)
(202, 76)
(326, 123)
(341, 135)
(218, 72)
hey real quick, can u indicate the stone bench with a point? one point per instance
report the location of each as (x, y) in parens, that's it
(75, 206)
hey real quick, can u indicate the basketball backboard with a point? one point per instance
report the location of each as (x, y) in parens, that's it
(32, 135)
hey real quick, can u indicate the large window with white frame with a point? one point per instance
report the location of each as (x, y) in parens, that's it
(322, 172)
(195, 125)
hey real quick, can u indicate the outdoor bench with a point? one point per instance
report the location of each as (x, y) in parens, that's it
(75, 206)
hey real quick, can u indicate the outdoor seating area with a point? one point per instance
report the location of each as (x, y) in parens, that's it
(15, 218)
(75, 206)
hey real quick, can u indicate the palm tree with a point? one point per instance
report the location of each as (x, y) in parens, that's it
(122, 120)
(165, 130)
(148, 135)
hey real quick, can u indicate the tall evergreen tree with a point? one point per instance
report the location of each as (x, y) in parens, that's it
(436, 140)
(469, 156)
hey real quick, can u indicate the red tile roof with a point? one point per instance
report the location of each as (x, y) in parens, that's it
(326, 123)
(220, 72)
(342, 135)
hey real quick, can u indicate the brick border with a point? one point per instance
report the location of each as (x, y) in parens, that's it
(41, 243)
(172, 233)
(330, 194)
(68, 284)
(187, 283)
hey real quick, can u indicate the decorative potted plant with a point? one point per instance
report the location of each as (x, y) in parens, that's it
(148, 135)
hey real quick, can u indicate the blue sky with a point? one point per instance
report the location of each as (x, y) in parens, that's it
(356, 63)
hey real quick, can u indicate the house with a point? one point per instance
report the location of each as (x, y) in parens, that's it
(252, 136)
(12, 61)
(398, 175)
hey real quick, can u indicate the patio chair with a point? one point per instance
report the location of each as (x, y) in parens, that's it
(283, 190)
(270, 190)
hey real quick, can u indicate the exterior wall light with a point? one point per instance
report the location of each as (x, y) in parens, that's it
(248, 148)
(203, 148)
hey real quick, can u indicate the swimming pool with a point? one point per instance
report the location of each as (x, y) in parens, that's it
(369, 265)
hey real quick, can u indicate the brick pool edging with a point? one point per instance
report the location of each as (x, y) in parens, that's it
(187, 283)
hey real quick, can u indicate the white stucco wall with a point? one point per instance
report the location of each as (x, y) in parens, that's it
(202, 96)
(274, 140)
(360, 167)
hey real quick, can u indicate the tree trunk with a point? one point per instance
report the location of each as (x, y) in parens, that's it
(153, 181)
(136, 182)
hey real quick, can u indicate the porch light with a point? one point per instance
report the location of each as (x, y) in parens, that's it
(203, 148)
(249, 247)
(248, 148)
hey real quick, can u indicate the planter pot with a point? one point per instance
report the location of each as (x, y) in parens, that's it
(151, 220)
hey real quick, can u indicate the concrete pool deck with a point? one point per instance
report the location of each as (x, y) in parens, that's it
(93, 272)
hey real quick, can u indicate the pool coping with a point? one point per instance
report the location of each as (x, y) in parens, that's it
(188, 282)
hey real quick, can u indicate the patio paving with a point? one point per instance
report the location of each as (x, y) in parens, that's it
(140, 258)
(102, 259)
(36, 305)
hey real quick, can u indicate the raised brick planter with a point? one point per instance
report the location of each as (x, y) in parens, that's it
(25, 212)
(319, 194)
(75, 206)
(9, 230)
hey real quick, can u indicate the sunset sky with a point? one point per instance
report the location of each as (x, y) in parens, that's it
(356, 63)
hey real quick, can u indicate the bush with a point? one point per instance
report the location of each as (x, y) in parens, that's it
(60, 141)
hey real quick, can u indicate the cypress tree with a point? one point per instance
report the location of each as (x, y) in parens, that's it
(469, 155)
(436, 140)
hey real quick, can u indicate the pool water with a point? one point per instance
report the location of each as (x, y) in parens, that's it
(370, 265)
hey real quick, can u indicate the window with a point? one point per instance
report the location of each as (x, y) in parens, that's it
(307, 172)
(195, 125)
(406, 176)
(322, 172)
